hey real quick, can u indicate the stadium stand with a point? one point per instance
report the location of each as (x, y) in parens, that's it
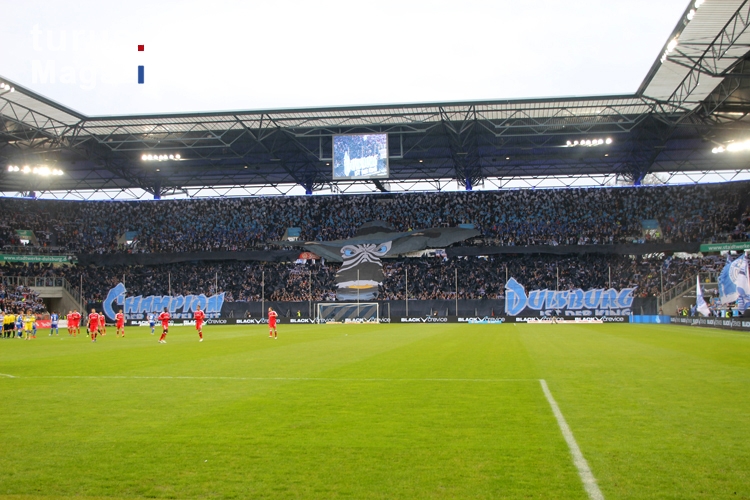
(505, 218)
(594, 216)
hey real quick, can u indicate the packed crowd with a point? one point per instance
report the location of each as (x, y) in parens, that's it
(741, 230)
(518, 217)
(428, 278)
(239, 281)
(16, 299)
(485, 277)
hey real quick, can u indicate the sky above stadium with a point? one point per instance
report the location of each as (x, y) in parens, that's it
(253, 55)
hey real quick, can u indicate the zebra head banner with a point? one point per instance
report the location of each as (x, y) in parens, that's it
(361, 272)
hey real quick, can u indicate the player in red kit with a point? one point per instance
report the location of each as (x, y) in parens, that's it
(272, 323)
(102, 323)
(93, 324)
(69, 319)
(199, 317)
(164, 318)
(75, 317)
(120, 323)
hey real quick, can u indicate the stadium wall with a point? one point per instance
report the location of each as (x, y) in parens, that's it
(397, 309)
(738, 324)
(483, 320)
(726, 323)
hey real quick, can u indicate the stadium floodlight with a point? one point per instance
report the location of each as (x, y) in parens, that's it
(588, 142)
(670, 47)
(732, 147)
(42, 170)
(688, 17)
(161, 157)
(738, 146)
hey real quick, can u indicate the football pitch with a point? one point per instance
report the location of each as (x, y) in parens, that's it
(379, 411)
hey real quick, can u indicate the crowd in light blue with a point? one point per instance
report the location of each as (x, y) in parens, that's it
(509, 218)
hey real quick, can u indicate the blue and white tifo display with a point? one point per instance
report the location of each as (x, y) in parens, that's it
(180, 307)
(360, 156)
(595, 302)
(734, 283)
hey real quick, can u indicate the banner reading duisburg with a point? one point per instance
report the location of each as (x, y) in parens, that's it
(577, 302)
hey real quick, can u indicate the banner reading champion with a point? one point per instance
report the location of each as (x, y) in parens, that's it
(595, 302)
(180, 307)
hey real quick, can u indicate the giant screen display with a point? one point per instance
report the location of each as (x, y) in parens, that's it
(362, 156)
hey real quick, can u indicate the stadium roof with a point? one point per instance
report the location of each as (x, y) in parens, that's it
(696, 97)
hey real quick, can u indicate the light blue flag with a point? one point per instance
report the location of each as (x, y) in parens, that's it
(734, 285)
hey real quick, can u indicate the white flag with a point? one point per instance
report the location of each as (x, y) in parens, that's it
(700, 302)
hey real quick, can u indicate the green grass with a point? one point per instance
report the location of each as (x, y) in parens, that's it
(360, 412)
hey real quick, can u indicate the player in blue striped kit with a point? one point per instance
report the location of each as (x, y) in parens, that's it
(19, 325)
(54, 320)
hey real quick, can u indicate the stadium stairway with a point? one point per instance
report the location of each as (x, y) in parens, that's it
(683, 294)
(57, 293)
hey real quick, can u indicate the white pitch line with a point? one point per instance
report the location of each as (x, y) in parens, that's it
(292, 379)
(584, 471)
(6, 375)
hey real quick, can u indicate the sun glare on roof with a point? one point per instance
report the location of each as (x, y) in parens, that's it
(482, 51)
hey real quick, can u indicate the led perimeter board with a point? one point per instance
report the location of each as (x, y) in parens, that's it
(361, 156)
